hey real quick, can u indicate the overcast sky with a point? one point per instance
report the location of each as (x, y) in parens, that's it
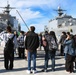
(38, 12)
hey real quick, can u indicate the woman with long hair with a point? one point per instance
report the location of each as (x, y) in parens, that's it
(53, 47)
(70, 52)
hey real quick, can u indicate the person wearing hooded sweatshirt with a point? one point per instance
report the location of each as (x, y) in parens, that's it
(9, 54)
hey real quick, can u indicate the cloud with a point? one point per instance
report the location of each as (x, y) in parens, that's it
(29, 14)
(38, 12)
(39, 25)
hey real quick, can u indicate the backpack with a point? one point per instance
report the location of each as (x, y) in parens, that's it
(9, 46)
(52, 44)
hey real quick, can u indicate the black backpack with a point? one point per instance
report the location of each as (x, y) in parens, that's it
(9, 46)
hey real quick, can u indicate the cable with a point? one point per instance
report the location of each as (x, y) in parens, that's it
(22, 19)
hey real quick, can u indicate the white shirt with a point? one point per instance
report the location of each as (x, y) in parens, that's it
(5, 38)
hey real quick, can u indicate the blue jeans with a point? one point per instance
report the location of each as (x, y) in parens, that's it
(52, 56)
(33, 56)
(65, 55)
(46, 60)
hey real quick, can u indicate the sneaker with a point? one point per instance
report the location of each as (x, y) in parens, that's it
(53, 69)
(44, 70)
(69, 71)
(10, 68)
(34, 71)
(7, 68)
(28, 71)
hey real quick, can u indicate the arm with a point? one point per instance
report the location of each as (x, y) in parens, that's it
(26, 42)
(15, 42)
(38, 41)
(66, 42)
(60, 40)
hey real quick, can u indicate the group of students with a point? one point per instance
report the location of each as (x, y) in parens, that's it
(68, 49)
(49, 42)
(31, 43)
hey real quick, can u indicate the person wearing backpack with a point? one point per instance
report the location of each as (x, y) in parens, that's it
(53, 46)
(10, 43)
(50, 47)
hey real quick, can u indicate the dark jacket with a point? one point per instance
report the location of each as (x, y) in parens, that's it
(31, 41)
(62, 38)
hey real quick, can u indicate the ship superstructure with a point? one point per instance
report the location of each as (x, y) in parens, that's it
(7, 19)
(62, 22)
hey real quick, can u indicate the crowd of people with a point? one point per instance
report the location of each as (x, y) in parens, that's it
(29, 43)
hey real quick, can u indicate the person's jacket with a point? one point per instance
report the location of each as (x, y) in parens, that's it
(68, 47)
(21, 40)
(5, 38)
(62, 38)
(31, 41)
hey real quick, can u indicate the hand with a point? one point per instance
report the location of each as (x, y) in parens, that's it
(43, 38)
(67, 38)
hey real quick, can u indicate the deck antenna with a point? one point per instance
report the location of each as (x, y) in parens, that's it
(7, 2)
(22, 19)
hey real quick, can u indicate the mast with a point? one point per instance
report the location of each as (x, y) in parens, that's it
(7, 8)
(60, 11)
(22, 19)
